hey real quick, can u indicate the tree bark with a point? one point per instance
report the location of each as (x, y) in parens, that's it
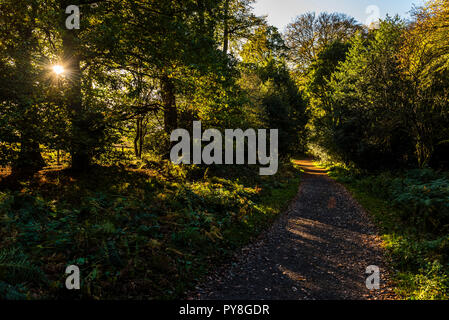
(79, 150)
(170, 110)
(138, 143)
(30, 158)
(169, 102)
(226, 27)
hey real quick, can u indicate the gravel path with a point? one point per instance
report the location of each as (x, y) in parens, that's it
(318, 250)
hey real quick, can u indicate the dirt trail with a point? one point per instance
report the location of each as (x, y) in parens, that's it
(318, 250)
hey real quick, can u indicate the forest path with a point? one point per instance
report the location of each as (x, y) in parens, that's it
(318, 250)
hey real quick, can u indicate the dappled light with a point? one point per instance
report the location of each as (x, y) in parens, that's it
(310, 168)
(167, 149)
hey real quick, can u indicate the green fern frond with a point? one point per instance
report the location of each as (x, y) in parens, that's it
(9, 292)
(16, 268)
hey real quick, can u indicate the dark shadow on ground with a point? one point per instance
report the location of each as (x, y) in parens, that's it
(319, 249)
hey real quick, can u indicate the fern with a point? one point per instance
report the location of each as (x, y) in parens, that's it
(16, 268)
(10, 292)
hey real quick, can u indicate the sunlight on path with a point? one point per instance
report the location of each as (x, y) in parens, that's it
(309, 167)
(318, 250)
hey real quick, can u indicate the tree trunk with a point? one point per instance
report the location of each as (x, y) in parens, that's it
(170, 111)
(30, 158)
(169, 102)
(226, 27)
(137, 139)
(142, 138)
(80, 135)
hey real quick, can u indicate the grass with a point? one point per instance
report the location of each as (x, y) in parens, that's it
(418, 255)
(151, 232)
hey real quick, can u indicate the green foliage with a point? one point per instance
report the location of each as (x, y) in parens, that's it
(135, 71)
(412, 210)
(15, 267)
(362, 121)
(310, 33)
(432, 283)
(9, 292)
(143, 233)
(373, 107)
(425, 196)
(325, 65)
(421, 195)
(276, 99)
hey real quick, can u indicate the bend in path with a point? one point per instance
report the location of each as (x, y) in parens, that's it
(318, 250)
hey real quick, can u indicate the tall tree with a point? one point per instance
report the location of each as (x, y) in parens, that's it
(171, 41)
(273, 92)
(369, 103)
(311, 33)
(19, 43)
(238, 21)
(424, 60)
(74, 99)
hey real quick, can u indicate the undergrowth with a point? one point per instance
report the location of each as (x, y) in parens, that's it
(151, 232)
(412, 210)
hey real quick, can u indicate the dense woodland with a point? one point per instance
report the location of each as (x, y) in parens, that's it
(86, 117)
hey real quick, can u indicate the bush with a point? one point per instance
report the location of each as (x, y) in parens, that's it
(424, 198)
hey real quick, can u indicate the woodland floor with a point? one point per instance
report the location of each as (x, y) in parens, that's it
(318, 250)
